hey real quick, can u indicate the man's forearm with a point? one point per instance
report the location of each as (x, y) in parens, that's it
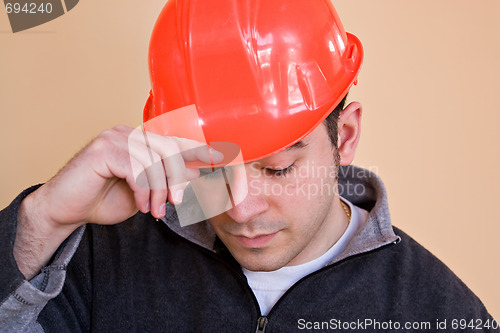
(36, 241)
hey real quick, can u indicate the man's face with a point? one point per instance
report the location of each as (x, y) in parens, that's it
(289, 216)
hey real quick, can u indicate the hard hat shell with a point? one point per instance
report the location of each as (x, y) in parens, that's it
(261, 74)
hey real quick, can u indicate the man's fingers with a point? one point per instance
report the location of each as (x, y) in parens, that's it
(161, 160)
(119, 164)
(173, 164)
(165, 161)
(190, 150)
(141, 167)
(152, 168)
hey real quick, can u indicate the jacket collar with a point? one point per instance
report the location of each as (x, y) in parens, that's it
(366, 190)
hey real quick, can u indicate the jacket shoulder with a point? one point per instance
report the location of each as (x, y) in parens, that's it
(428, 281)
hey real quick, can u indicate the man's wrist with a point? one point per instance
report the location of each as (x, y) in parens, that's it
(37, 237)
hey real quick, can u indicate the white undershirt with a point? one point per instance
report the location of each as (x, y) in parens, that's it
(268, 287)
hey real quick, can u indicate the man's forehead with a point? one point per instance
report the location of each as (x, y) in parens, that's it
(318, 134)
(297, 145)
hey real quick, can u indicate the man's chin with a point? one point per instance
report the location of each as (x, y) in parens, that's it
(260, 268)
(261, 262)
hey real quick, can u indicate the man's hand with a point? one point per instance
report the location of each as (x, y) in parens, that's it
(120, 172)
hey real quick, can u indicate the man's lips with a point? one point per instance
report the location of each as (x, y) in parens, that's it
(255, 241)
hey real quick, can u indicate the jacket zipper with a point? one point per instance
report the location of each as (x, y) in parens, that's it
(261, 324)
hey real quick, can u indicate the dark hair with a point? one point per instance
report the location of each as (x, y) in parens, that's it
(331, 121)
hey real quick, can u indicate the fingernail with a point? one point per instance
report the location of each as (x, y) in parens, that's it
(161, 210)
(178, 196)
(148, 207)
(216, 155)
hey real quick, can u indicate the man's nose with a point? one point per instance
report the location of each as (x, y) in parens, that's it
(247, 194)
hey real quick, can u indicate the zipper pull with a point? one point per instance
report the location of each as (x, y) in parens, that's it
(261, 324)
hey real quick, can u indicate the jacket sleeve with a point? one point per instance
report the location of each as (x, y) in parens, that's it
(21, 301)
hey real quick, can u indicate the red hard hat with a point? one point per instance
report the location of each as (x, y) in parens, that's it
(259, 74)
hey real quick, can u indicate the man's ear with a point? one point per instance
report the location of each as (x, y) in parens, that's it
(349, 129)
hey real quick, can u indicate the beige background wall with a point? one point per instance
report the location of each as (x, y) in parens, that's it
(429, 86)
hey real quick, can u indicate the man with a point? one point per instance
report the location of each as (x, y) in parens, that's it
(280, 249)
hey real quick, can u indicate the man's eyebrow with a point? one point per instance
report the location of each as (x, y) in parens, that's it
(300, 144)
